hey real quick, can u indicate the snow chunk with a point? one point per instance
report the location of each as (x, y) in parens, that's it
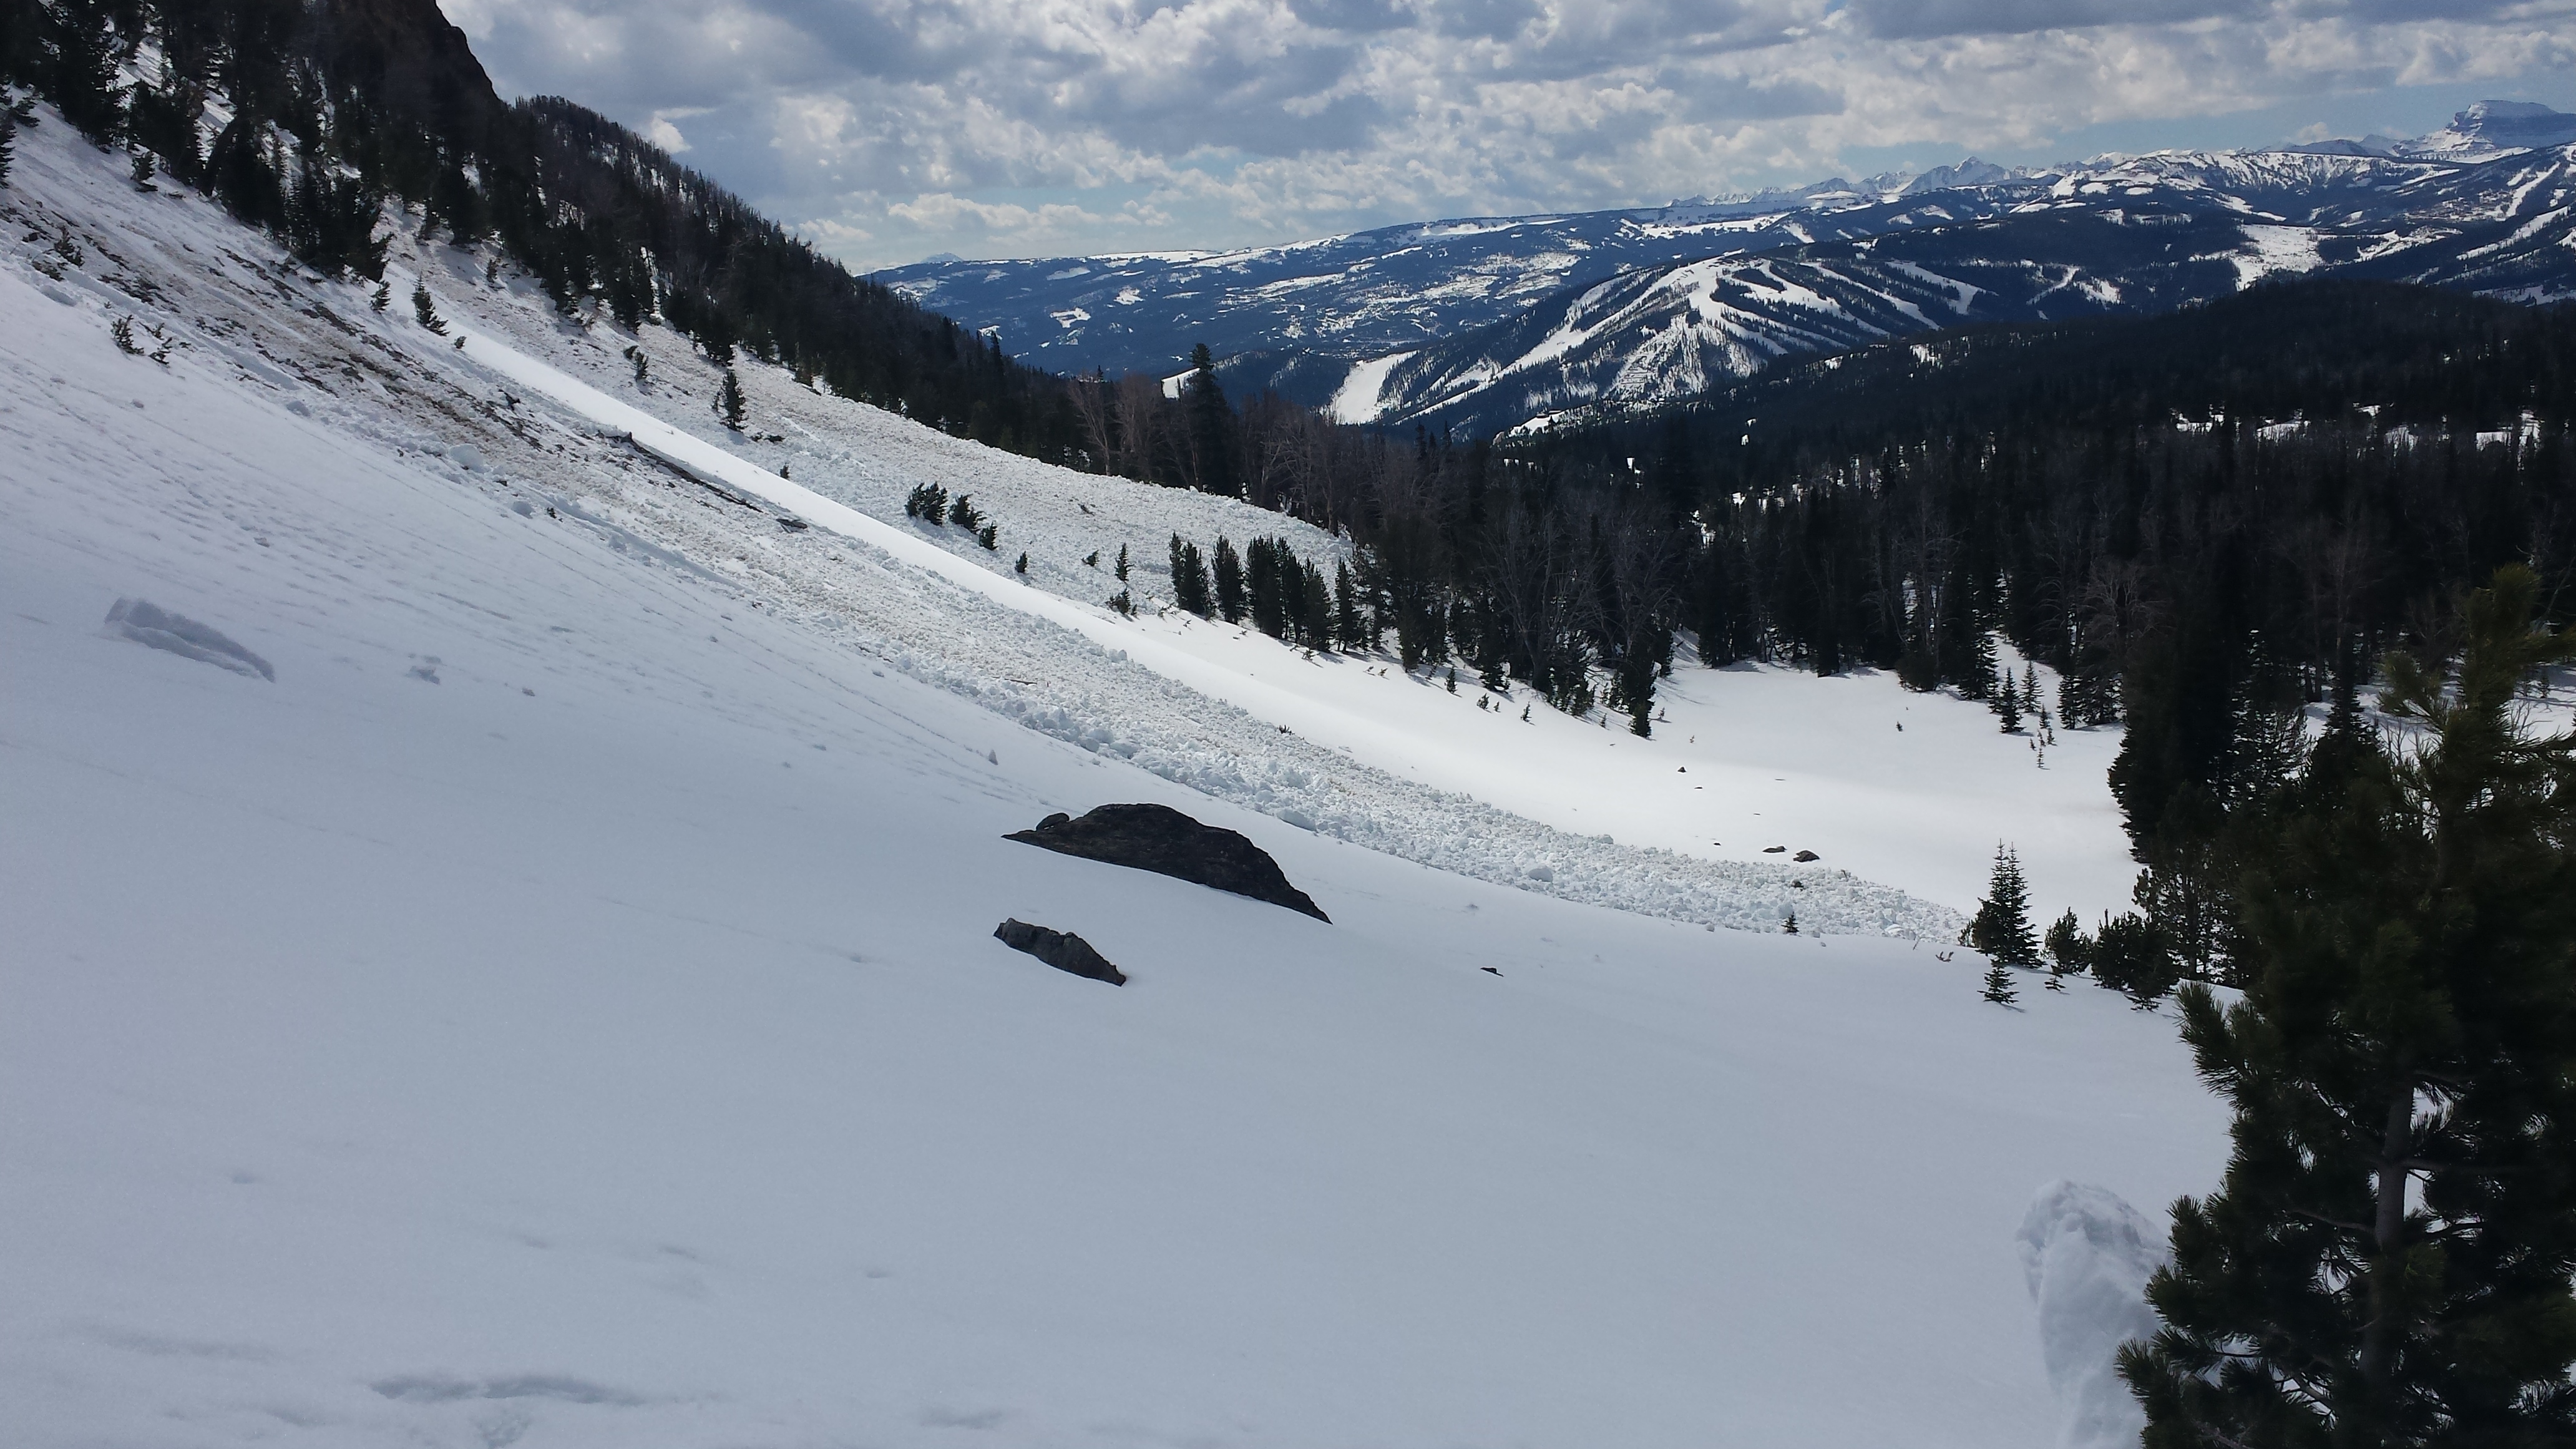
(157, 628)
(2086, 1255)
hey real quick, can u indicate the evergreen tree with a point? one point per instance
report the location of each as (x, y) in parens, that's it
(963, 512)
(8, 146)
(2069, 951)
(2001, 927)
(1315, 607)
(2005, 700)
(927, 502)
(81, 37)
(2387, 1261)
(1263, 570)
(1121, 570)
(1788, 923)
(1349, 631)
(1190, 578)
(2130, 957)
(1211, 424)
(425, 309)
(730, 406)
(1229, 582)
(1022, 566)
(1999, 984)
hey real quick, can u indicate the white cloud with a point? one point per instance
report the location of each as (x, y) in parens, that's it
(888, 129)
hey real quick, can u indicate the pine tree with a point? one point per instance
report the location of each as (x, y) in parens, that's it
(1999, 984)
(1121, 570)
(1788, 923)
(729, 403)
(381, 298)
(1349, 631)
(1229, 582)
(927, 502)
(424, 308)
(2387, 1261)
(2029, 688)
(1022, 566)
(963, 512)
(2005, 700)
(2069, 950)
(8, 147)
(2001, 928)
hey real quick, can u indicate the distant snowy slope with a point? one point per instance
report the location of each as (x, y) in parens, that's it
(553, 1004)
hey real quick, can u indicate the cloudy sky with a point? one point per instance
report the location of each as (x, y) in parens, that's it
(890, 130)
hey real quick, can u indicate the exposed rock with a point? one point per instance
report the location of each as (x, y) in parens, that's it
(1806, 855)
(1165, 841)
(1060, 949)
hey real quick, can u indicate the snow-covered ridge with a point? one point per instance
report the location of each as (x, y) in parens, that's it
(2437, 209)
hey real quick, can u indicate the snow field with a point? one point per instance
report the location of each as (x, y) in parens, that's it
(558, 1007)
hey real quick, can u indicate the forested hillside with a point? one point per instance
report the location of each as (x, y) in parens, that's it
(2206, 522)
(308, 120)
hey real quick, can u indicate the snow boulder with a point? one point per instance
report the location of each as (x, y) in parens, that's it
(1060, 949)
(157, 628)
(1165, 841)
(2086, 1255)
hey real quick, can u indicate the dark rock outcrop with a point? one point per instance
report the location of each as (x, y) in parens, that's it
(1060, 949)
(1165, 841)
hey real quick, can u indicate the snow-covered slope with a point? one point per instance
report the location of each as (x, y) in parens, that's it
(553, 1002)
(1514, 310)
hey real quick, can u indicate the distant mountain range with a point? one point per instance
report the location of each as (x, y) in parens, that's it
(1487, 324)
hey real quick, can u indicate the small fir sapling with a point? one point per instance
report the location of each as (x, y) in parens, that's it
(2005, 701)
(729, 402)
(122, 331)
(1091, 560)
(143, 171)
(381, 298)
(989, 536)
(1999, 984)
(1122, 564)
(424, 308)
(1022, 566)
(965, 514)
(1122, 603)
(1789, 922)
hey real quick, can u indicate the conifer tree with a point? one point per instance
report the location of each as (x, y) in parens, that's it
(2005, 700)
(1229, 582)
(8, 146)
(730, 407)
(1788, 923)
(2069, 951)
(1349, 632)
(1022, 566)
(2001, 927)
(1999, 984)
(2387, 1260)
(424, 308)
(1121, 570)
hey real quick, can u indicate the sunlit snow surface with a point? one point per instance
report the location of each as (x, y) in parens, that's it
(559, 1008)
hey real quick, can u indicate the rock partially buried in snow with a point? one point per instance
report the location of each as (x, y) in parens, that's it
(1060, 949)
(2086, 1255)
(158, 628)
(1165, 841)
